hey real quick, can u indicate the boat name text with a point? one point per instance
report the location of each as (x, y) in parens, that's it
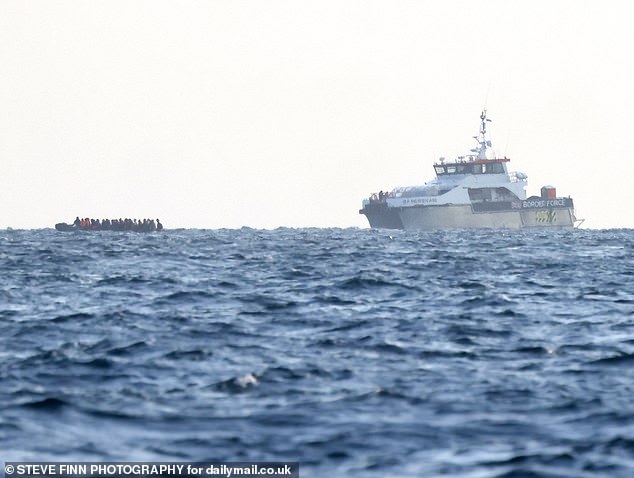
(411, 201)
(544, 203)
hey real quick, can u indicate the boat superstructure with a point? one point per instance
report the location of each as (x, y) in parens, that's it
(472, 191)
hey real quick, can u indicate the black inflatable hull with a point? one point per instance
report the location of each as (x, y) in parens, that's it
(62, 226)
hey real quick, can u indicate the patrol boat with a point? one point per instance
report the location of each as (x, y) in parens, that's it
(473, 191)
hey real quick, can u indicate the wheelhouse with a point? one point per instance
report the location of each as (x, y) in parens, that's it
(487, 166)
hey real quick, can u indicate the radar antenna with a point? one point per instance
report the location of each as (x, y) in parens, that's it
(482, 141)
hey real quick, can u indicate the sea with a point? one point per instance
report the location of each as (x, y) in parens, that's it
(355, 352)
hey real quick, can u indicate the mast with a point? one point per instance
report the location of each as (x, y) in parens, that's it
(481, 139)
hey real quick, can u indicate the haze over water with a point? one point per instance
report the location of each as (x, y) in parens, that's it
(282, 113)
(354, 352)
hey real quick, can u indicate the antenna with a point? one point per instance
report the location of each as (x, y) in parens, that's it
(508, 136)
(486, 97)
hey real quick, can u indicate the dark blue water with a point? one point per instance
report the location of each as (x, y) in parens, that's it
(358, 353)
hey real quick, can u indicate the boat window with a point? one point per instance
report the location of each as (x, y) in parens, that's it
(495, 168)
(440, 169)
(480, 194)
(461, 168)
(451, 169)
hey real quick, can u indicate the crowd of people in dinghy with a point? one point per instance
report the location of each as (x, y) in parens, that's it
(139, 225)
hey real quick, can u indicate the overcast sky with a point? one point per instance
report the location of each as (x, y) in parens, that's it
(288, 113)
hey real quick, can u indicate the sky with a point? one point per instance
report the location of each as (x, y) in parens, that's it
(223, 114)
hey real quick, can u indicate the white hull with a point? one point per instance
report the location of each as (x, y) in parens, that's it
(473, 191)
(462, 217)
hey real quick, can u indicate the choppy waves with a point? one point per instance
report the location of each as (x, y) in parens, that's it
(354, 352)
